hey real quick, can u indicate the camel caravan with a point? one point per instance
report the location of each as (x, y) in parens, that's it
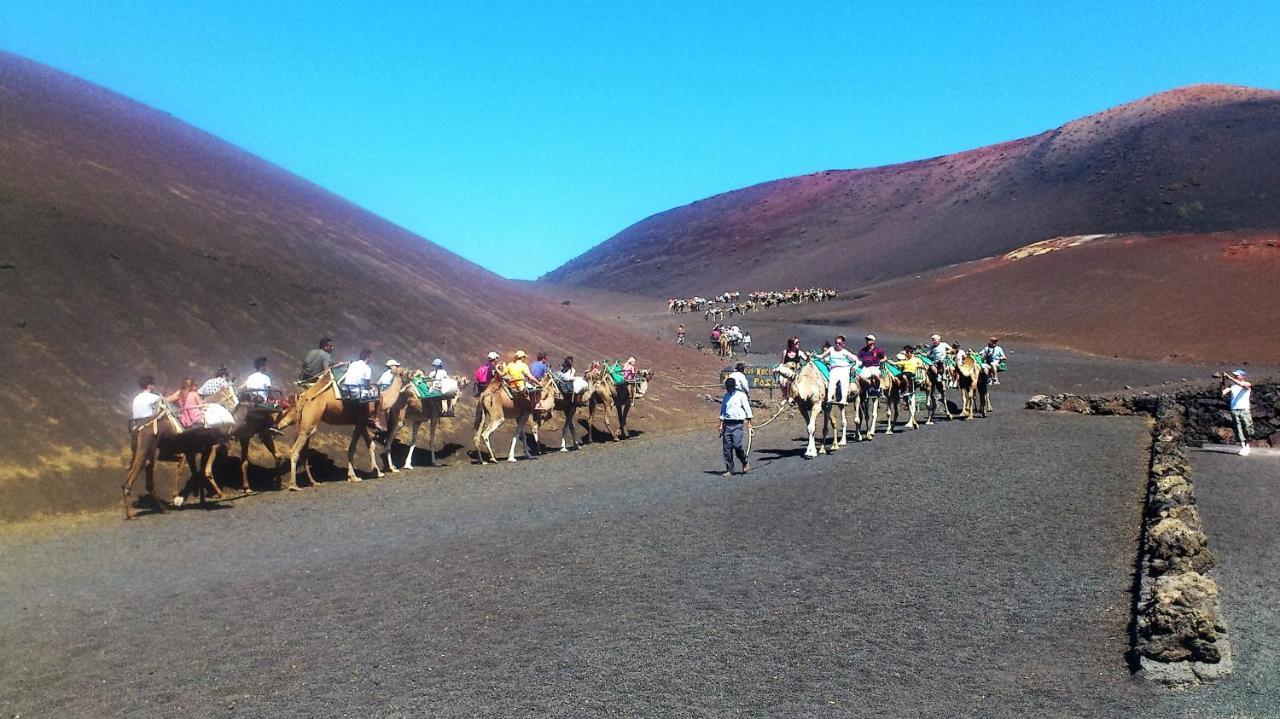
(195, 424)
(726, 304)
(827, 381)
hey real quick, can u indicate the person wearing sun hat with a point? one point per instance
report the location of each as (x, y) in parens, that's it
(1238, 390)
(518, 374)
(388, 375)
(870, 357)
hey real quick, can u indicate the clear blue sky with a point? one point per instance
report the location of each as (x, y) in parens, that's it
(520, 134)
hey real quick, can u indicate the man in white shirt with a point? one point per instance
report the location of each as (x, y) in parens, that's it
(939, 351)
(259, 383)
(735, 419)
(1239, 390)
(357, 385)
(146, 403)
(840, 361)
(746, 342)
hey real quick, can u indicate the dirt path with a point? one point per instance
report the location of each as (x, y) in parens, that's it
(919, 575)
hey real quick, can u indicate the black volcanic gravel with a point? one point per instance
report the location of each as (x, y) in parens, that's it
(968, 569)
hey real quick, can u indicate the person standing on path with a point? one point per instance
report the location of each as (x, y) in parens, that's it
(1239, 389)
(735, 422)
(680, 335)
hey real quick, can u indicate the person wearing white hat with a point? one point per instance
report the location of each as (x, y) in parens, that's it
(871, 356)
(385, 379)
(486, 373)
(1239, 389)
(437, 377)
(518, 374)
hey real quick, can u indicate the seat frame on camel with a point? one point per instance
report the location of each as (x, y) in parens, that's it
(498, 403)
(163, 433)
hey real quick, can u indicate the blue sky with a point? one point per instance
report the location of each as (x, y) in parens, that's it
(521, 134)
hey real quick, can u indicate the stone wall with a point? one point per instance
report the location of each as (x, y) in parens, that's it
(1179, 636)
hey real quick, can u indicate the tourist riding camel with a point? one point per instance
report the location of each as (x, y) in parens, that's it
(792, 357)
(498, 403)
(384, 379)
(809, 393)
(321, 403)
(486, 373)
(841, 361)
(215, 383)
(992, 356)
(870, 357)
(417, 408)
(318, 363)
(258, 384)
(357, 388)
(607, 392)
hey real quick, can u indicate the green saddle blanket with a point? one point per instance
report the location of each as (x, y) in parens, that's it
(822, 368)
(893, 369)
(422, 388)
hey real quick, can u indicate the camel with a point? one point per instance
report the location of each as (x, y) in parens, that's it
(809, 392)
(971, 377)
(568, 406)
(936, 391)
(416, 411)
(902, 390)
(496, 405)
(251, 421)
(867, 406)
(318, 404)
(603, 392)
(162, 433)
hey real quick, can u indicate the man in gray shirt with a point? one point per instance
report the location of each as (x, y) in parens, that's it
(319, 361)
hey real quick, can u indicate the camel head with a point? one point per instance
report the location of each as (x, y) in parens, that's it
(642, 386)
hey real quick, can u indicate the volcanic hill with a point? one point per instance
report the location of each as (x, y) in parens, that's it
(132, 243)
(1195, 160)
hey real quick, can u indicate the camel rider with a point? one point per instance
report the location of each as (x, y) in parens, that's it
(357, 386)
(939, 351)
(870, 356)
(629, 371)
(318, 362)
(486, 372)
(388, 375)
(215, 383)
(840, 361)
(991, 356)
(539, 367)
(518, 375)
(147, 403)
(910, 364)
(258, 384)
(436, 376)
(792, 357)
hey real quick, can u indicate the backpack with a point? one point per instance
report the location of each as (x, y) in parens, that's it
(482, 374)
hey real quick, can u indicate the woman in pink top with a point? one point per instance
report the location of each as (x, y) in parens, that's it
(189, 410)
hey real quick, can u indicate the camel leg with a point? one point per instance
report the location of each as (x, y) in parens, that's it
(519, 435)
(810, 418)
(431, 437)
(413, 444)
(142, 461)
(607, 427)
(487, 434)
(299, 445)
(911, 409)
(208, 471)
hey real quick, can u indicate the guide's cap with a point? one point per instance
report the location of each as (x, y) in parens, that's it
(437, 362)
(1239, 373)
(392, 363)
(870, 338)
(493, 355)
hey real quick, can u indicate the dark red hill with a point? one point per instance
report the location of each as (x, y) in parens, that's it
(131, 242)
(1198, 159)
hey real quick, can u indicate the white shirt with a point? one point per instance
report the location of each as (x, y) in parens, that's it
(385, 379)
(939, 351)
(840, 358)
(358, 373)
(258, 381)
(1239, 397)
(735, 406)
(437, 373)
(740, 381)
(145, 405)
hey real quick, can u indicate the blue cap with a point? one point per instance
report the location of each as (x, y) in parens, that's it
(437, 362)
(1239, 372)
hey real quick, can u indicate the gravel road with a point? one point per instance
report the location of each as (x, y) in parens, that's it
(976, 568)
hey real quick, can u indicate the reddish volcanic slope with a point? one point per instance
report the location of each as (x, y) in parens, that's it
(131, 242)
(1199, 298)
(1194, 160)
